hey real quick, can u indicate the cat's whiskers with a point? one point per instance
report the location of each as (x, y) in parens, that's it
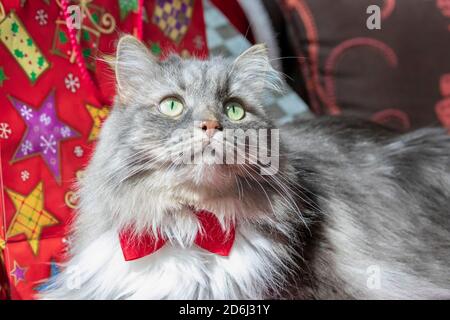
(294, 184)
(290, 201)
(259, 184)
(136, 157)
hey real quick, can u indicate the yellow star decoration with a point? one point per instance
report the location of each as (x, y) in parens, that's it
(30, 217)
(2, 244)
(97, 115)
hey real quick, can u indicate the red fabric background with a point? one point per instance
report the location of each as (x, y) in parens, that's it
(71, 110)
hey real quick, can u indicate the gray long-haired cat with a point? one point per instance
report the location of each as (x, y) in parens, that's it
(353, 211)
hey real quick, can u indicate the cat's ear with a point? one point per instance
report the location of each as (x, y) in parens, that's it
(132, 64)
(253, 66)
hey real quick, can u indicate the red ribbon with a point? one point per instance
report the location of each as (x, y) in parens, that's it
(212, 238)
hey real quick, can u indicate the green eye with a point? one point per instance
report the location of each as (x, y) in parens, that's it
(234, 111)
(171, 107)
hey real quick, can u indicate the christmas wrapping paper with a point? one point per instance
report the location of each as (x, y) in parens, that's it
(54, 96)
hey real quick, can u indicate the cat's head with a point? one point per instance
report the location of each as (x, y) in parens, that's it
(172, 116)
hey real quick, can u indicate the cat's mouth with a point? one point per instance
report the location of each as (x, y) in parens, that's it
(215, 162)
(206, 152)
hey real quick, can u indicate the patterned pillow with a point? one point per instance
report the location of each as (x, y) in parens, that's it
(398, 75)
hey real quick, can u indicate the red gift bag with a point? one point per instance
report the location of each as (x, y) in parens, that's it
(54, 96)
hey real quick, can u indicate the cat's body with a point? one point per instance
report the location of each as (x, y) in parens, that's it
(384, 210)
(353, 212)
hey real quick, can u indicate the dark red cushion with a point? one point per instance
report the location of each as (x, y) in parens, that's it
(399, 75)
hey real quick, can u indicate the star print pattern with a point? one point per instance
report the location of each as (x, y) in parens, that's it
(44, 133)
(30, 217)
(38, 60)
(97, 115)
(20, 44)
(18, 273)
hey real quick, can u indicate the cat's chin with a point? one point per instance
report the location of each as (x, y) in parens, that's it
(217, 176)
(207, 178)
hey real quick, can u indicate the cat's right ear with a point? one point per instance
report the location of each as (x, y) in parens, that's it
(132, 64)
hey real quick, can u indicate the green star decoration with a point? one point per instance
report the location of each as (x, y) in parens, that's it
(127, 6)
(33, 76)
(3, 76)
(95, 17)
(18, 53)
(62, 37)
(14, 27)
(86, 35)
(40, 61)
(155, 48)
(86, 52)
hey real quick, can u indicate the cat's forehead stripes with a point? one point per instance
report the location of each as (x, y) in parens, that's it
(204, 78)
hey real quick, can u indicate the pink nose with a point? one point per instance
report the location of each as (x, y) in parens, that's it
(210, 127)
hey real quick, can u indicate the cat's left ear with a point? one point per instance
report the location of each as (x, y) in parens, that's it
(132, 65)
(253, 66)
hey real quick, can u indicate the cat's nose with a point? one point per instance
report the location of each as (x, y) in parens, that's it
(210, 127)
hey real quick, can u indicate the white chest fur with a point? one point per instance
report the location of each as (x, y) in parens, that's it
(100, 271)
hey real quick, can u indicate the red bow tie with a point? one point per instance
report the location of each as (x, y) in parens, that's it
(213, 238)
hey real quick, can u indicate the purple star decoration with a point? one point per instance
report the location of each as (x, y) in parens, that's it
(18, 273)
(44, 133)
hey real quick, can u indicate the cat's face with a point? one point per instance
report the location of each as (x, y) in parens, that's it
(173, 116)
